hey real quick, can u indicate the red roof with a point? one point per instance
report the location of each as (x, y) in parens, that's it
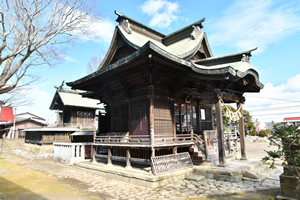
(291, 119)
(6, 114)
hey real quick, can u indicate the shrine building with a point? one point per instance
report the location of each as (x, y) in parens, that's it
(159, 91)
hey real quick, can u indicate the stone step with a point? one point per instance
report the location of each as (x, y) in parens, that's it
(264, 175)
(194, 177)
(255, 172)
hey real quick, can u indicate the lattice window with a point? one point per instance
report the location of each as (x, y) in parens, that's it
(140, 118)
(163, 124)
(140, 110)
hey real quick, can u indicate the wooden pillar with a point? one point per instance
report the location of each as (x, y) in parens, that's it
(192, 133)
(109, 162)
(205, 145)
(180, 117)
(187, 119)
(111, 118)
(128, 163)
(152, 152)
(94, 153)
(228, 141)
(173, 117)
(212, 118)
(151, 121)
(129, 118)
(198, 119)
(242, 133)
(221, 147)
(175, 150)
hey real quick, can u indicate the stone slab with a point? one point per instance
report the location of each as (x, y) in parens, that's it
(195, 177)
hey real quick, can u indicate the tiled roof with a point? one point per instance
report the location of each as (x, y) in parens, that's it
(6, 114)
(291, 119)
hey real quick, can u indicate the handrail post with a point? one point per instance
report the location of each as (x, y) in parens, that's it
(205, 145)
(93, 149)
(229, 145)
(128, 163)
(109, 162)
(192, 134)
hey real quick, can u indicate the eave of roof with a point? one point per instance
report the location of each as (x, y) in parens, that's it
(23, 120)
(51, 129)
(149, 45)
(75, 99)
(225, 57)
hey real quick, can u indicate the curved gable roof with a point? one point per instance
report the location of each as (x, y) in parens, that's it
(183, 43)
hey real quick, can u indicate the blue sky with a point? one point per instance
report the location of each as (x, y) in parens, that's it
(231, 26)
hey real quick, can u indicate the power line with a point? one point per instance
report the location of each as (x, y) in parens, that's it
(280, 82)
(276, 114)
(274, 99)
(267, 104)
(274, 108)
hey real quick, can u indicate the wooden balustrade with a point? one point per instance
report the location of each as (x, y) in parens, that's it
(71, 152)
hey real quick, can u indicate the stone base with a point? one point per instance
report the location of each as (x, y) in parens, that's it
(280, 197)
(135, 176)
(290, 187)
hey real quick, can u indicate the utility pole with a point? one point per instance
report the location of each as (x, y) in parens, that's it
(13, 135)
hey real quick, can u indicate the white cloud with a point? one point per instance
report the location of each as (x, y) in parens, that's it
(70, 59)
(162, 12)
(247, 24)
(274, 103)
(102, 31)
(41, 101)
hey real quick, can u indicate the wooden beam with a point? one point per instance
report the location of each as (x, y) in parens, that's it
(221, 147)
(242, 133)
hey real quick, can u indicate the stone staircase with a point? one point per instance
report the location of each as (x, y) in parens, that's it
(258, 172)
(235, 171)
(213, 157)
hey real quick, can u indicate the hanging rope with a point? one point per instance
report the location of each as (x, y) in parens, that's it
(233, 116)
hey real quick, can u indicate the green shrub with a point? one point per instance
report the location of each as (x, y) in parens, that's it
(253, 133)
(263, 133)
(268, 131)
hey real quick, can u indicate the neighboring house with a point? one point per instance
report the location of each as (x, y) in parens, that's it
(74, 113)
(73, 110)
(12, 129)
(292, 120)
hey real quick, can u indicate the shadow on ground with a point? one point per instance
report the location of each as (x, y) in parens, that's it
(10, 190)
(257, 195)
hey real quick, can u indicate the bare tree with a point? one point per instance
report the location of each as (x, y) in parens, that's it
(94, 62)
(38, 32)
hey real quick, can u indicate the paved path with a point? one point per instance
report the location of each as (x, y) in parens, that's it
(46, 179)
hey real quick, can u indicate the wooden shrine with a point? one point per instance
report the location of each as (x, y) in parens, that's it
(159, 91)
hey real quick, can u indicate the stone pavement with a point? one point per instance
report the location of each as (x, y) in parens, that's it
(96, 186)
(115, 189)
